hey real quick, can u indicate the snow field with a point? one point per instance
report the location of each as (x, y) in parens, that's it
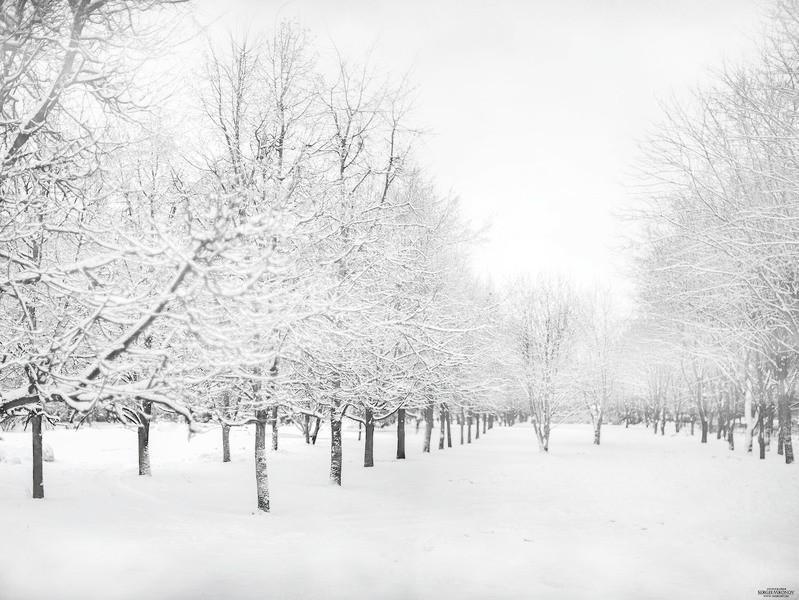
(642, 516)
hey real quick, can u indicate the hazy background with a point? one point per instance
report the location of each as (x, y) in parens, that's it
(534, 107)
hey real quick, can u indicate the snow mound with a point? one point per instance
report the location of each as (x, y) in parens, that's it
(13, 455)
(47, 452)
(9, 456)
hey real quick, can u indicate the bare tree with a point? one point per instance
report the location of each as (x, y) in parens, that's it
(541, 326)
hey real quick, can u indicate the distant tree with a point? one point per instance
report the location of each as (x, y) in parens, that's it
(541, 326)
(600, 350)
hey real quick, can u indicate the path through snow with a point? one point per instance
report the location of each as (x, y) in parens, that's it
(639, 517)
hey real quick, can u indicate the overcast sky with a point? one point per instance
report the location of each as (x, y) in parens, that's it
(535, 106)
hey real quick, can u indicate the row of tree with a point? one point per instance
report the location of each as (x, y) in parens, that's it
(264, 248)
(716, 248)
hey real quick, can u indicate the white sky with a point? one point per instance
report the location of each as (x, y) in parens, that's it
(535, 106)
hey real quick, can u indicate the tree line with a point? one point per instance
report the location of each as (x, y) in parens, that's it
(270, 250)
(261, 247)
(715, 250)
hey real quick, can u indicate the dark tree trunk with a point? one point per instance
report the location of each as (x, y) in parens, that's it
(360, 430)
(442, 428)
(477, 426)
(306, 429)
(731, 438)
(315, 433)
(461, 422)
(469, 427)
(769, 423)
(369, 445)
(335, 447)
(275, 422)
(449, 429)
(761, 438)
(693, 421)
(261, 476)
(418, 423)
(225, 443)
(428, 426)
(144, 438)
(401, 433)
(38, 459)
(785, 428)
(703, 420)
(484, 423)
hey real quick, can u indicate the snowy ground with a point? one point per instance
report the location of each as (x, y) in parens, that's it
(640, 517)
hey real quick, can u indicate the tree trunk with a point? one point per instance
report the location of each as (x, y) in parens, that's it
(449, 429)
(38, 460)
(225, 443)
(761, 438)
(335, 447)
(484, 423)
(749, 418)
(731, 438)
(785, 427)
(442, 428)
(461, 422)
(275, 421)
(316, 430)
(401, 433)
(360, 430)
(428, 426)
(306, 429)
(469, 427)
(226, 428)
(703, 420)
(144, 438)
(542, 435)
(597, 429)
(769, 423)
(369, 445)
(476, 426)
(261, 477)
